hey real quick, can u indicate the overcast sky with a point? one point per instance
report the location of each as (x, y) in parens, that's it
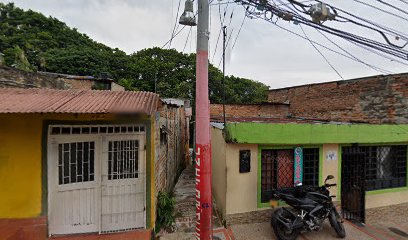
(262, 52)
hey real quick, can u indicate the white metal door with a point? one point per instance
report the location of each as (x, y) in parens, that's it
(73, 171)
(123, 183)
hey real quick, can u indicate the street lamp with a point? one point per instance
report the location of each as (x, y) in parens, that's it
(203, 145)
(188, 16)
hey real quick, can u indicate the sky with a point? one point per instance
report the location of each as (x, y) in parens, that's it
(262, 52)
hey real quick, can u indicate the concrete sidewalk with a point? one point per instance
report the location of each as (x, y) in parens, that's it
(390, 223)
(368, 232)
(184, 193)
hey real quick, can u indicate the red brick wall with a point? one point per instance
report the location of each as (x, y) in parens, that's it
(379, 99)
(246, 111)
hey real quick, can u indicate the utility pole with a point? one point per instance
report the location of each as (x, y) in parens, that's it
(224, 33)
(203, 144)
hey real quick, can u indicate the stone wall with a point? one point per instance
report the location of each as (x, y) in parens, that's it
(11, 77)
(249, 217)
(378, 99)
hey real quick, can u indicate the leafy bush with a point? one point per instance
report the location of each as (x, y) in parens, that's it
(165, 210)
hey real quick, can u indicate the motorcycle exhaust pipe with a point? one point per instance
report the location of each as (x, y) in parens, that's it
(290, 226)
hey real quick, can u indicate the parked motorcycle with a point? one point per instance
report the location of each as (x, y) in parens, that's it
(309, 208)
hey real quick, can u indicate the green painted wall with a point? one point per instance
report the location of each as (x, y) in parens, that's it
(267, 133)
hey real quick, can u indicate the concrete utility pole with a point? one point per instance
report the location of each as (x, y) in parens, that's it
(203, 144)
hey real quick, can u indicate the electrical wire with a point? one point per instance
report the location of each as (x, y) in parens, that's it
(321, 54)
(378, 53)
(389, 48)
(222, 19)
(350, 20)
(177, 33)
(229, 35)
(392, 6)
(175, 24)
(381, 10)
(316, 43)
(357, 59)
(239, 31)
(188, 35)
(387, 29)
(404, 1)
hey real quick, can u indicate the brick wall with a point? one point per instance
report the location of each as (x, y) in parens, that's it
(263, 110)
(378, 99)
(171, 147)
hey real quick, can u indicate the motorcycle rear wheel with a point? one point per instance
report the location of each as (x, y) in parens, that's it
(281, 232)
(336, 223)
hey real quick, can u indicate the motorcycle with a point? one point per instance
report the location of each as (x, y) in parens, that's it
(309, 208)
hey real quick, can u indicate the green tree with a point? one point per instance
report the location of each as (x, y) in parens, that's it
(31, 41)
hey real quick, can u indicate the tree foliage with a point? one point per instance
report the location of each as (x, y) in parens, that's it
(31, 41)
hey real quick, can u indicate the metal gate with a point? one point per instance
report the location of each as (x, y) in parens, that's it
(96, 178)
(353, 184)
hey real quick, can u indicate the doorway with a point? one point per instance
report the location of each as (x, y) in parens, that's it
(353, 184)
(96, 179)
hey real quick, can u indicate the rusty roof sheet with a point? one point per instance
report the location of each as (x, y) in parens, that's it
(18, 100)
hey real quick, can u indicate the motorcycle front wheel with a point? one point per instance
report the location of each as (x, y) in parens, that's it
(281, 232)
(335, 222)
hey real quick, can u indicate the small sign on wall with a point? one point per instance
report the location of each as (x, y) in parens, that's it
(298, 167)
(244, 161)
(331, 156)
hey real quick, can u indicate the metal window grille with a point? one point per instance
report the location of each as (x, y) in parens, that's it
(386, 166)
(101, 129)
(76, 162)
(123, 159)
(311, 167)
(276, 171)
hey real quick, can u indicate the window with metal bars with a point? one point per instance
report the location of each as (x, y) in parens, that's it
(277, 169)
(311, 167)
(386, 166)
(123, 159)
(76, 162)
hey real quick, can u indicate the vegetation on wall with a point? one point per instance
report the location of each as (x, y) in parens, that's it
(32, 42)
(165, 215)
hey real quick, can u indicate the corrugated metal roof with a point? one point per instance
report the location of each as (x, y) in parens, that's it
(17, 100)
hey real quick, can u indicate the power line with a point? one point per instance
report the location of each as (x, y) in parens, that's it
(175, 24)
(381, 10)
(316, 43)
(389, 48)
(188, 35)
(222, 19)
(321, 54)
(351, 55)
(404, 1)
(378, 53)
(392, 6)
(177, 33)
(239, 31)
